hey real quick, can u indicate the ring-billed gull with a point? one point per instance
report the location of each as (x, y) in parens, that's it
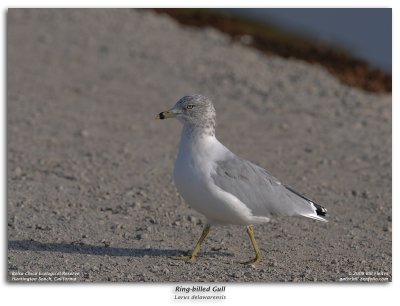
(223, 187)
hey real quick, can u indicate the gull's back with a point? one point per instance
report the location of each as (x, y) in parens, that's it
(261, 192)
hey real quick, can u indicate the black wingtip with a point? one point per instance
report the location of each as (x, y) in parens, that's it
(321, 211)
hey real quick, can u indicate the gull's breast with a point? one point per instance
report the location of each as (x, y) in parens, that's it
(192, 176)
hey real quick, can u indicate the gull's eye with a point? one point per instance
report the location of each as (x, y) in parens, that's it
(189, 106)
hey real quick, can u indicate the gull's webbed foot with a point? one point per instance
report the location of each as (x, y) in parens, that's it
(185, 257)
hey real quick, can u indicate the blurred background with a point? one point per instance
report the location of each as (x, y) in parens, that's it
(365, 33)
(355, 44)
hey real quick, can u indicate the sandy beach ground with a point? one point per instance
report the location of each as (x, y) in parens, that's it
(89, 171)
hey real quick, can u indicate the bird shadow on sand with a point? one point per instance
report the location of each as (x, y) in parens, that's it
(36, 246)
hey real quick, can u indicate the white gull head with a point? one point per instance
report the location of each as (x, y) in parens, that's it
(196, 112)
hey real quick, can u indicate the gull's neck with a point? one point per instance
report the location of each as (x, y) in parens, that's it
(195, 131)
(200, 146)
(195, 137)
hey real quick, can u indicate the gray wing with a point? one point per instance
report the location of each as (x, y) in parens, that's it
(262, 193)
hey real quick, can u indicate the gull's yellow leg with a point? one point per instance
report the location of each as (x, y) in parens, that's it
(196, 249)
(257, 259)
